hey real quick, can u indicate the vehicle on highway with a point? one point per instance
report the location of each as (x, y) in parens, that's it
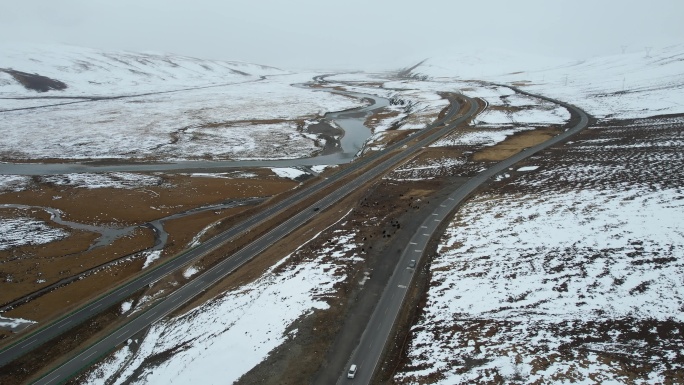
(412, 264)
(352, 371)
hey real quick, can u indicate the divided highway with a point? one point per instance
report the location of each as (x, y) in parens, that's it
(377, 334)
(48, 332)
(228, 265)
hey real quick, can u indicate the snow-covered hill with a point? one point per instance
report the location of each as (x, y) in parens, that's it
(628, 85)
(483, 63)
(91, 72)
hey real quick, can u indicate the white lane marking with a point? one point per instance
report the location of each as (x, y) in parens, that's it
(451, 199)
(426, 235)
(403, 286)
(412, 243)
(23, 344)
(436, 220)
(63, 325)
(95, 307)
(88, 356)
(417, 251)
(435, 214)
(121, 334)
(442, 206)
(52, 379)
(423, 227)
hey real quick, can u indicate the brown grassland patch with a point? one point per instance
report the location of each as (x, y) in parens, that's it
(514, 144)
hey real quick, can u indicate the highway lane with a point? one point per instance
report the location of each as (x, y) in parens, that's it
(228, 265)
(377, 334)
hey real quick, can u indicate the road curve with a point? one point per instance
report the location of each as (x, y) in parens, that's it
(377, 334)
(201, 282)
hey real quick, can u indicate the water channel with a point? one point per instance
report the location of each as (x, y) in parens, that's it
(351, 121)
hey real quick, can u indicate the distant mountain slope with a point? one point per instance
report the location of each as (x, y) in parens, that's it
(61, 70)
(629, 85)
(480, 64)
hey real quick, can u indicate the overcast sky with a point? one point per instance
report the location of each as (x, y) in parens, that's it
(354, 34)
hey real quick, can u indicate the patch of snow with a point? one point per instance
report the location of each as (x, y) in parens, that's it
(104, 180)
(320, 168)
(225, 175)
(14, 324)
(288, 172)
(557, 115)
(126, 306)
(190, 271)
(474, 138)
(16, 232)
(14, 183)
(113, 362)
(150, 257)
(527, 168)
(196, 239)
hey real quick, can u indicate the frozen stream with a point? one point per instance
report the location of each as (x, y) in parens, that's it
(109, 234)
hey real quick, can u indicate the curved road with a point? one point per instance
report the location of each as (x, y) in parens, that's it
(377, 334)
(228, 265)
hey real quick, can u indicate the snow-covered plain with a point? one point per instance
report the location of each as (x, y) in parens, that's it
(256, 120)
(522, 281)
(160, 107)
(224, 338)
(570, 272)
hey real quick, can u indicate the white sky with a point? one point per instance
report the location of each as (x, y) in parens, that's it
(353, 34)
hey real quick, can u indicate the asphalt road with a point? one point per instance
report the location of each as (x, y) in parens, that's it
(377, 334)
(228, 265)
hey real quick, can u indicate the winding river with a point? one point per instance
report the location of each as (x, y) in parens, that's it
(109, 234)
(351, 121)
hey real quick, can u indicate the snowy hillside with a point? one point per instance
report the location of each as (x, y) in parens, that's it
(628, 85)
(89, 72)
(482, 64)
(123, 105)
